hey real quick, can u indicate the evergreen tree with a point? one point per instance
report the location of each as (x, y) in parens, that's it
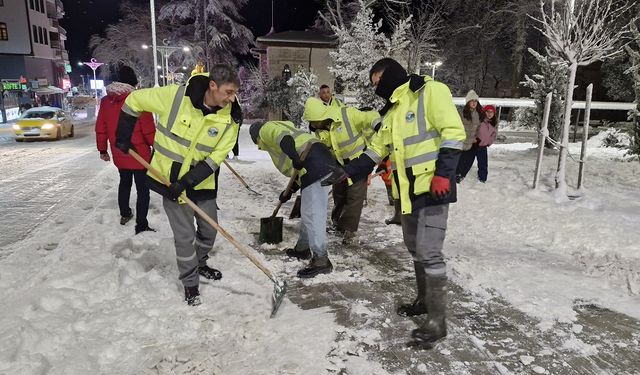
(360, 45)
(225, 36)
(552, 78)
(303, 85)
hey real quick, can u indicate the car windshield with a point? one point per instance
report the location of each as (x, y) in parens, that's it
(39, 114)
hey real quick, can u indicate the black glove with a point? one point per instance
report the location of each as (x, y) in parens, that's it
(297, 163)
(123, 145)
(285, 196)
(175, 189)
(337, 175)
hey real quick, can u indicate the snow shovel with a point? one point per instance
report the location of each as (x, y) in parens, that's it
(242, 181)
(271, 227)
(279, 287)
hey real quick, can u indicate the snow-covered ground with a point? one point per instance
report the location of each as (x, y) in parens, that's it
(81, 294)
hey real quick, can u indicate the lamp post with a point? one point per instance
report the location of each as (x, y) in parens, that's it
(154, 45)
(433, 66)
(166, 50)
(93, 64)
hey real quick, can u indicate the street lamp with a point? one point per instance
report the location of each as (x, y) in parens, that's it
(433, 66)
(166, 50)
(93, 64)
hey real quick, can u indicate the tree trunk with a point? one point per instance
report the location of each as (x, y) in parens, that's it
(518, 53)
(561, 183)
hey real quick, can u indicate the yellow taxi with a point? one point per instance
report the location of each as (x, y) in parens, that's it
(43, 123)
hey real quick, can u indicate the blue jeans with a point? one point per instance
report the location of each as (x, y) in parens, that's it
(313, 228)
(468, 157)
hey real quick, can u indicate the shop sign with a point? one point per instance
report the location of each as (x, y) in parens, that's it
(67, 68)
(43, 82)
(7, 86)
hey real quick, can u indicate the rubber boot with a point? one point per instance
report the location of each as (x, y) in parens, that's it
(418, 306)
(396, 215)
(317, 266)
(209, 273)
(436, 326)
(299, 254)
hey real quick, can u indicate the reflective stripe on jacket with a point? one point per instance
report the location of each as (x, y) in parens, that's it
(272, 132)
(415, 128)
(184, 136)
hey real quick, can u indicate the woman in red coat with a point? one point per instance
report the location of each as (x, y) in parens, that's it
(142, 140)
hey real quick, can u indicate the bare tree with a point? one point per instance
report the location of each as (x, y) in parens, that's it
(580, 33)
(634, 71)
(424, 32)
(121, 43)
(340, 13)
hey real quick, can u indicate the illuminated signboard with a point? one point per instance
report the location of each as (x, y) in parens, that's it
(11, 86)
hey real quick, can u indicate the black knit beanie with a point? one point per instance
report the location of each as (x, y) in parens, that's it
(393, 76)
(127, 75)
(254, 131)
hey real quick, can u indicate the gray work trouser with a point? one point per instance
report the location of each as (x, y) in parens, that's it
(313, 227)
(192, 244)
(348, 202)
(423, 233)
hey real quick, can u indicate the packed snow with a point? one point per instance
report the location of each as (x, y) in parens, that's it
(81, 294)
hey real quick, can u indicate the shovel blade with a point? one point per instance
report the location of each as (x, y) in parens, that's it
(270, 230)
(279, 291)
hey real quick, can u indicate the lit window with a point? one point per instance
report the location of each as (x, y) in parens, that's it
(4, 33)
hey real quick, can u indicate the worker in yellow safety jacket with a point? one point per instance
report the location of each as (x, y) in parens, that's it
(196, 128)
(286, 144)
(327, 98)
(423, 136)
(344, 130)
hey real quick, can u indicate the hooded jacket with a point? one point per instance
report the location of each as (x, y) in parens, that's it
(107, 123)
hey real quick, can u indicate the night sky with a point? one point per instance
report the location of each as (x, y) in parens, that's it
(86, 17)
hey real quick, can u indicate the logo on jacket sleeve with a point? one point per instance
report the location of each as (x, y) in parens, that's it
(410, 116)
(212, 132)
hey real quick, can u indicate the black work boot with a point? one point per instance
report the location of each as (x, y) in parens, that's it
(435, 328)
(125, 219)
(192, 295)
(418, 306)
(299, 254)
(317, 266)
(389, 195)
(396, 215)
(209, 273)
(144, 228)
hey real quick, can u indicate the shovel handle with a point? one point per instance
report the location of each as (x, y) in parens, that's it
(206, 217)
(242, 181)
(294, 175)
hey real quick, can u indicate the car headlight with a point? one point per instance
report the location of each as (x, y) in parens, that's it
(48, 126)
(16, 127)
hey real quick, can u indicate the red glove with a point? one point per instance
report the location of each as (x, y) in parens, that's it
(440, 187)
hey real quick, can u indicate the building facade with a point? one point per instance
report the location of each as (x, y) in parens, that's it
(33, 59)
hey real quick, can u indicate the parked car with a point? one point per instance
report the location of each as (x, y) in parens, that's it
(43, 123)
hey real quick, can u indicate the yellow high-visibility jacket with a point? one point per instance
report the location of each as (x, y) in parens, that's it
(347, 137)
(415, 128)
(272, 132)
(184, 136)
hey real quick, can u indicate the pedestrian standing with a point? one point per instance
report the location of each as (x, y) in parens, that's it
(141, 139)
(344, 131)
(327, 98)
(197, 127)
(472, 117)
(285, 145)
(487, 133)
(422, 134)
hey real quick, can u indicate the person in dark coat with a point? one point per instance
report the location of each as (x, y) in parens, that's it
(142, 141)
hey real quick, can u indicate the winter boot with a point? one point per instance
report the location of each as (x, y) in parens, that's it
(192, 295)
(418, 306)
(317, 266)
(209, 273)
(396, 214)
(125, 219)
(349, 238)
(436, 325)
(299, 254)
(144, 228)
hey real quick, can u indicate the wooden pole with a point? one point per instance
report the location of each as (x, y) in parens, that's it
(541, 140)
(585, 135)
(575, 128)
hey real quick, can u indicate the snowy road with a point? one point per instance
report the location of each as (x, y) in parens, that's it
(39, 177)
